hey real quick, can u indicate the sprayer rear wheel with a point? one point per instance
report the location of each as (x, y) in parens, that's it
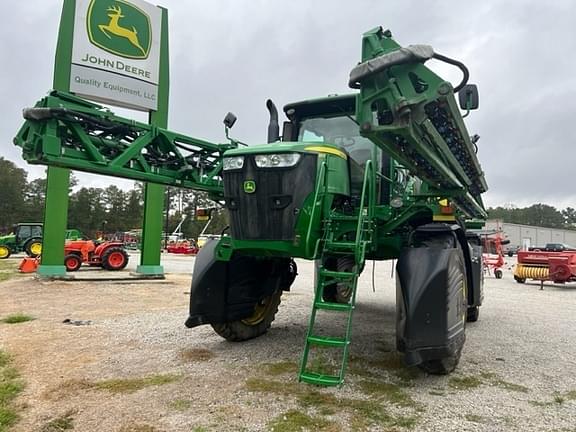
(255, 325)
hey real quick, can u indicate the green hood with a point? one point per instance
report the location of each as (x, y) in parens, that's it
(10, 238)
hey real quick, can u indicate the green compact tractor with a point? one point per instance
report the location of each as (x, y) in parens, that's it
(387, 172)
(27, 237)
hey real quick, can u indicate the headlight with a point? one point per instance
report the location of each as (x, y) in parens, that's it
(279, 160)
(234, 162)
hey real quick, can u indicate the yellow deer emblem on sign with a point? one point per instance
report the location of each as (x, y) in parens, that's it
(117, 30)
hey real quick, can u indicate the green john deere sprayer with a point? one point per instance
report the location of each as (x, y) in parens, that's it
(386, 172)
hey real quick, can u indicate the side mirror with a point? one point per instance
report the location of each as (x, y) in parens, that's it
(468, 97)
(288, 131)
(229, 120)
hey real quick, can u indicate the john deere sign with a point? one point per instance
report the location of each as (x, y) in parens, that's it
(115, 57)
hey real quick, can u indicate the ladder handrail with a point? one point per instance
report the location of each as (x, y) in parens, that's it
(319, 185)
(369, 182)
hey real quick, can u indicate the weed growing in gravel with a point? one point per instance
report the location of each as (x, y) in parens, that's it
(557, 398)
(130, 385)
(63, 423)
(297, 421)
(496, 381)
(17, 318)
(464, 383)
(10, 387)
(196, 355)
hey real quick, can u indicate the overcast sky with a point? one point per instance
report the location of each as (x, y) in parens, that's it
(232, 55)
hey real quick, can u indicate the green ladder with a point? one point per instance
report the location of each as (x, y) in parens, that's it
(326, 278)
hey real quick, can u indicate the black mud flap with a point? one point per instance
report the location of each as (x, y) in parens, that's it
(225, 291)
(430, 320)
(476, 284)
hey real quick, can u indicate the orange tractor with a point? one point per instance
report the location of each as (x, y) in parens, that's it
(110, 255)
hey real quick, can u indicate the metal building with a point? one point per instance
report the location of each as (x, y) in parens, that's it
(525, 236)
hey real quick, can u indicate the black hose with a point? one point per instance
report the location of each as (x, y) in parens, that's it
(459, 65)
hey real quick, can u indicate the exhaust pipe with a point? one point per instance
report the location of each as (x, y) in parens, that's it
(273, 127)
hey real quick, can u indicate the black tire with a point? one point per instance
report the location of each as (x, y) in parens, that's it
(472, 314)
(72, 262)
(441, 366)
(447, 364)
(5, 252)
(339, 292)
(32, 244)
(520, 280)
(254, 326)
(114, 259)
(498, 273)
(510, 253)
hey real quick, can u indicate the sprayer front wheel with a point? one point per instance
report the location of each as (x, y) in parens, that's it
(255, 325)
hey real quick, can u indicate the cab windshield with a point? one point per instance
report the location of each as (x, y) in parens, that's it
(340, 131)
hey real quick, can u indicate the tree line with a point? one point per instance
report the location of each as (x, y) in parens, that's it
(94, 211)
(541, 215)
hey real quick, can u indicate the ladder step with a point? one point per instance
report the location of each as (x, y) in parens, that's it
(337, 274)
(344, 307)
(343, 218)
(328, 341)
(333, 246)
(319, 379)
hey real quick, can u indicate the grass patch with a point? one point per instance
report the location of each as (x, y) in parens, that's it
(63, 423)
(181, 404)
(280, 368)
(8, 269)
(363, 413)
(17, 318)
(131, 385)
(464, 383)
(10, 388)
(390, 392)
(294, 420)
(196, 355)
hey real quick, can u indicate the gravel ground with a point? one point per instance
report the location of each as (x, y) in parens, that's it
(517, 372)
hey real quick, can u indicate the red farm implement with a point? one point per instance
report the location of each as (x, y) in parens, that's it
(492, 253)
(558, 267)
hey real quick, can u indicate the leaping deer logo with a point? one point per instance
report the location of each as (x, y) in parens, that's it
(116, 29)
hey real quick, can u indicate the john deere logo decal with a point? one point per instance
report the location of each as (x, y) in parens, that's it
(249, 186)
(120, 28)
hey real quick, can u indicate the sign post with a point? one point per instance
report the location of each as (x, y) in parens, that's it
(115, 52)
